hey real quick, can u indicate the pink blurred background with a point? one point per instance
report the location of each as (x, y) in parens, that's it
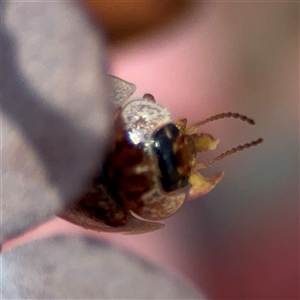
(241, 241)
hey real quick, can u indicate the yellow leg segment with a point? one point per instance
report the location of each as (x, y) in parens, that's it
(201, 185)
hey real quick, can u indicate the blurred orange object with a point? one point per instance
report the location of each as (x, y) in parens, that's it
(133, 18)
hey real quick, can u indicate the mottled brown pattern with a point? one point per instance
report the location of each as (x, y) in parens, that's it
(98, 204)
(99, 211)
(183, 153)
(128, 172)
(105, 205)
(137, 182)
(160, 205)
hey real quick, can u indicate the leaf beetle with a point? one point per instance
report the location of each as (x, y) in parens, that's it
(151, 167)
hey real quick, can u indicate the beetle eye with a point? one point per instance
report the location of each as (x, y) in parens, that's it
(171, 131)
(164, 141)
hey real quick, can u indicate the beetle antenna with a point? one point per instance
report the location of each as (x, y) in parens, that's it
(229, 152)
(226, 115)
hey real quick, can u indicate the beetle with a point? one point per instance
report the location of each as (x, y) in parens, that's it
(151, 167)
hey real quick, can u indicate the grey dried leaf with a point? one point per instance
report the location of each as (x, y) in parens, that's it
(121, 90)
(65, 267)
(55, 110)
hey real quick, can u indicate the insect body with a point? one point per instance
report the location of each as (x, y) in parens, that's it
(151, 167)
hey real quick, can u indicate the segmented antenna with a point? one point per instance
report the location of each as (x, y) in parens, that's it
(226, 115)
(229, 152)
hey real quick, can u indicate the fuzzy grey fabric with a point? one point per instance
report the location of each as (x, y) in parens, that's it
(77, 267)
(56, 116)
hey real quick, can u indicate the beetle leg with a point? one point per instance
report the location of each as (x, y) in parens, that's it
(204, 142)
(181, 124)
(201, 185)
(149, 97)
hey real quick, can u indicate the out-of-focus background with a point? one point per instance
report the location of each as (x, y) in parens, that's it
(241, 241)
